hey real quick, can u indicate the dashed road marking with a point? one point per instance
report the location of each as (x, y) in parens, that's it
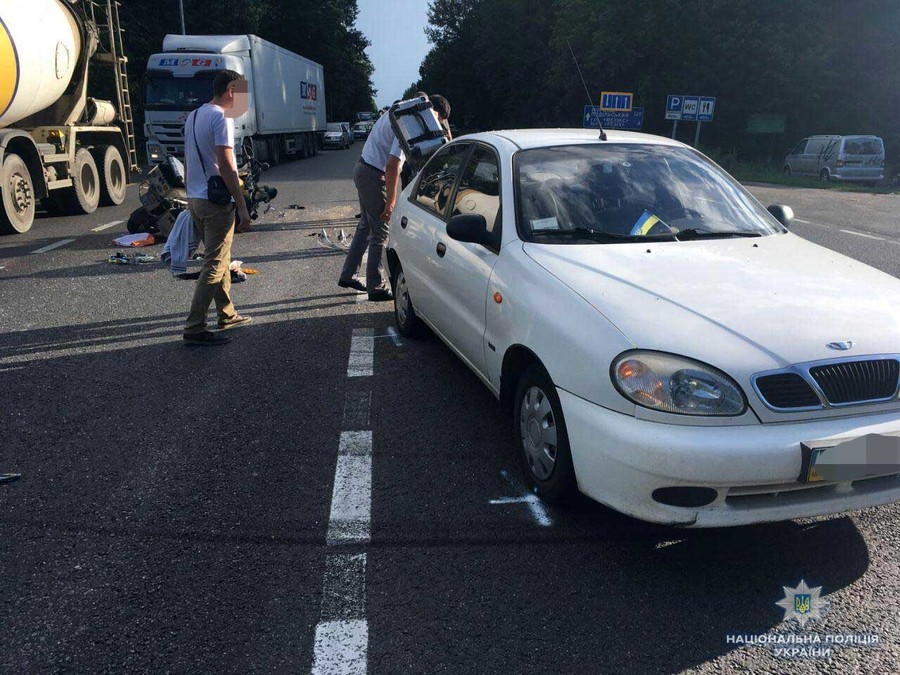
(362, 348)
(853, 232)
(54, 245)
(100, 228)
(351, 499)
(341, 648)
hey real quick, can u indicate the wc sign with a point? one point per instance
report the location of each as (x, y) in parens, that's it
(690, 108)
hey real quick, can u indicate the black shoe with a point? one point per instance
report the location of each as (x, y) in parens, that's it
(355, 284)
(206, 338)
(381, 296)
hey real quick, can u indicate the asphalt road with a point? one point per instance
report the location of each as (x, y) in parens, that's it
(191, 510)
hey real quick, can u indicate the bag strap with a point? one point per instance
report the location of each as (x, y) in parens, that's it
(197, 145)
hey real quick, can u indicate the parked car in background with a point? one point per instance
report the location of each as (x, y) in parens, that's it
(845, 158)
(665, 344)
(361, 130)
(337, 136)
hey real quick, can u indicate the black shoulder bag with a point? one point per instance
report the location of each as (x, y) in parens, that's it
(217, 191)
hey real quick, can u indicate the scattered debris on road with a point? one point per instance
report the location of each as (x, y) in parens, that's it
(119, 258)
(9, 477)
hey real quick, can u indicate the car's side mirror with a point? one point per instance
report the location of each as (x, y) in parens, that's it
(783, 214)
(470, 228)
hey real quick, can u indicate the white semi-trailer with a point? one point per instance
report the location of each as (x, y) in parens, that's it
(287, 95)
(56, 143)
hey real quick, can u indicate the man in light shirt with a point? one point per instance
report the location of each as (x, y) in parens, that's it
(377, 179)
(209, 152)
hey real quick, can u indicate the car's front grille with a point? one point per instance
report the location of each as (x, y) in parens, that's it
(858, 381)
(840, 382)
(787, 390)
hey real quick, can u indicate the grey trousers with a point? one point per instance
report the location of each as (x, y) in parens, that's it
(371, 232)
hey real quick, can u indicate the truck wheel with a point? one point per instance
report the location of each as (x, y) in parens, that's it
(314, 144)
(275, 151)
(111, 171)
(84, 195)
(17, 214)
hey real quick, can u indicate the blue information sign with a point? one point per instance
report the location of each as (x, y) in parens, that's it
(632, 120)
(689, 108)
(707, 106)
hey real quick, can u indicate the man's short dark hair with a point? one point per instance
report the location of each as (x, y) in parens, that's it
(223, 79)
(441, 105)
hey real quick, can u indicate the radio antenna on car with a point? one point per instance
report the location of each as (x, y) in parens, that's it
(586, 91)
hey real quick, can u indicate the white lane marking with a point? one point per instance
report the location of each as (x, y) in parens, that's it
(54, 245)
(853, 232)
(395, 336)
(535, 505)
(341, 648)
(6, 370)
(100, 228)
(362, 348)
(351, 499)
(867, 236)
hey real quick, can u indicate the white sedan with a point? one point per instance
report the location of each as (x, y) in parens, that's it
(665, 344)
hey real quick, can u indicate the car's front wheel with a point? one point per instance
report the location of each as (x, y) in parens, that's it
(541, 431)
(824, 176)
(408, 323)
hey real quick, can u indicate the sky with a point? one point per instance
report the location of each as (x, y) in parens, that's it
(396, 29)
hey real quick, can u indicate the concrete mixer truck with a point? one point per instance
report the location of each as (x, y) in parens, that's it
(58, 145)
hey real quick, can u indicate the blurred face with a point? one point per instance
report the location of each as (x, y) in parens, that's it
(237, 99)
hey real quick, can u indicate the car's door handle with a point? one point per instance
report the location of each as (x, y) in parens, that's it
(441, 249)
(403, 221)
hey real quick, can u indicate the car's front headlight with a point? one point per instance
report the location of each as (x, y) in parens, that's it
(676, 384)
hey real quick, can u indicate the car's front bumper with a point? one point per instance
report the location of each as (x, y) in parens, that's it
(333, 141)
(620, 460)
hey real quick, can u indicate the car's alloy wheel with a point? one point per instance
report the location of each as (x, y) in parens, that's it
(407, 321)
(541, 431)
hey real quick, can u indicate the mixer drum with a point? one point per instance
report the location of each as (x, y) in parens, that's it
(40, 45)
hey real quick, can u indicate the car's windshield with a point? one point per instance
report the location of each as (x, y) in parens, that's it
(182, 93)
(334, 126)
(608, 193)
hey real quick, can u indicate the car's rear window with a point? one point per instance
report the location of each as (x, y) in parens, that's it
(863, 146)
(335, 127)
(630, 190)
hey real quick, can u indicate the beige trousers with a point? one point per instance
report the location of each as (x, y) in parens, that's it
(215, 228)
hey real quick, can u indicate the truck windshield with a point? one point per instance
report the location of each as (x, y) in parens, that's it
(162, 92)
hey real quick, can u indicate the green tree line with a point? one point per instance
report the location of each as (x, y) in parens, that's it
(321, 30)
(828, 66)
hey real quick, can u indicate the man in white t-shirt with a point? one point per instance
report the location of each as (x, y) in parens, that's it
(209, 152)
(377, 179)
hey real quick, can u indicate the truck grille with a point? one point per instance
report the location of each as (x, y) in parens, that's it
(858, 380)
(841, 382)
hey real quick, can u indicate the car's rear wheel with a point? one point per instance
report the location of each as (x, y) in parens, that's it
(541, 431)
(408, 323)
(787, 169)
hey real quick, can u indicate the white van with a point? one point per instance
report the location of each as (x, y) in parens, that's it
(849, 158)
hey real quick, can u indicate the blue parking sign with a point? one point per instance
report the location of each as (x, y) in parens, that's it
(673, 106)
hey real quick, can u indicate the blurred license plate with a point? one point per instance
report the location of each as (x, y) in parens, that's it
(850, 459)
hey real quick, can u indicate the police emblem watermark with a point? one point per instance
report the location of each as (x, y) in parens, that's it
(804, 605)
